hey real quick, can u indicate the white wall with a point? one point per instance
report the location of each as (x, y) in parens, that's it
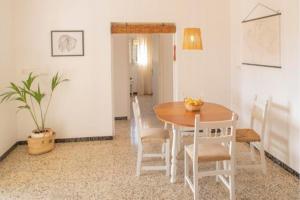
(121, 83)
(282, 137)
(165, 68)
(7, 74)
(162, 82)
(156, 66)
(83, 107)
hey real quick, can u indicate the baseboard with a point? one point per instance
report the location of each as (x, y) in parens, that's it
(22, 142)
(81, 139)
(280, 163)
(283, 165)
(121, 118)
(84, 139)
(3, 156)
(59, 140)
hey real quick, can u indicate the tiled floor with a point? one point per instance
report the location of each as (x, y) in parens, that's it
(106, 170)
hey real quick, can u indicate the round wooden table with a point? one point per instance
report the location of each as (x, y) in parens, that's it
(175, 113)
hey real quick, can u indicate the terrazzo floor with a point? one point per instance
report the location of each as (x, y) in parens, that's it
(105, 170)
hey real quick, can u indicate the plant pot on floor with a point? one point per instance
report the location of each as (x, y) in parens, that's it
(37, 134)
(41, 145)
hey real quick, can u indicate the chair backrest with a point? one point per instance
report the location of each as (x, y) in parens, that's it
(137, 118)
(138, 105)
(259, 114)
(136, 99)
(215, 132)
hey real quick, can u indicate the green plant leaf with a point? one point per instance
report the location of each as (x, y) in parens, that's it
(38, 95)
(22, 107)
(29, 81)
(19, 99)
(6, 96)
(56, 80)
(15, 88)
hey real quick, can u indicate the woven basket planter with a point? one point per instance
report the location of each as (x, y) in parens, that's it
(37, 146)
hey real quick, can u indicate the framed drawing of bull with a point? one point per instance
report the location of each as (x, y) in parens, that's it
(67, 43)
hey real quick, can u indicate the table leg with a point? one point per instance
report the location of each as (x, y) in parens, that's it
(174, 154)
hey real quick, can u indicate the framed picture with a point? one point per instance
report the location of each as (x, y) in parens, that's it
(262, 41)
(67, 43)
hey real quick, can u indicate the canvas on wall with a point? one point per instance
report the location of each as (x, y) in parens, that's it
(67, 43)
(261, 42)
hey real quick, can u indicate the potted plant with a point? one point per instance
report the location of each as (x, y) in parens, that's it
(34, 101)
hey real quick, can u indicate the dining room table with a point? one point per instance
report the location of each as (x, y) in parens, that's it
(175, 113)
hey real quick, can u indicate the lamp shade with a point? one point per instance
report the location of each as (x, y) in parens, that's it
(192, 39)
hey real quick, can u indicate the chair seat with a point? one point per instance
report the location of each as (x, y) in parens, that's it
(209, 152)
(154, 135)
(247, 135)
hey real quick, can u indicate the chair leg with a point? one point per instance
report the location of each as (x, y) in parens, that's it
(232, 187)
(163, 150)
(166, 125)
(225, 166)
(179, 142)
(232, 181)
(217, 169)
(139, 160)
(252, 152)
(167, 157)
(186, 168)
(262, 157)
(195, 179)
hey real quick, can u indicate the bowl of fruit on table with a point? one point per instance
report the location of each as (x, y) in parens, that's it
(193, 104)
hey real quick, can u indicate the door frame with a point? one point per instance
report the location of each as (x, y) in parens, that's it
(144, 28)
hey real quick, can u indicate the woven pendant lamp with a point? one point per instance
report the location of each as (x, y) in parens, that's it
(192, 39)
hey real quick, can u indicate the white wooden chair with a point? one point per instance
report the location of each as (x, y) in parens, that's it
(150, 136)
(163, 148)
(215, 147)
(249, 135)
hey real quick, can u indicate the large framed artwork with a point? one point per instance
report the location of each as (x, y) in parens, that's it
(67, 43)
(262, 41)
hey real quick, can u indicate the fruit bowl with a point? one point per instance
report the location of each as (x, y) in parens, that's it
(192, 108)
(193, 104)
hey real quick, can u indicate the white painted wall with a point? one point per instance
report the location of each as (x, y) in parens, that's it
(283, 137)
(162, 82)
(165, 71)
(83, 107)
(156, 66)
(8, 126)
(121, 83)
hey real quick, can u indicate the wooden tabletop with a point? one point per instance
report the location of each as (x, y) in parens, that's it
(175, 113)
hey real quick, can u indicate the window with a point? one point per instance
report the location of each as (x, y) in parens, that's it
(138, 51)
(133, 51)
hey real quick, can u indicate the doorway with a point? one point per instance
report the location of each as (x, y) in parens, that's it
(142, 65)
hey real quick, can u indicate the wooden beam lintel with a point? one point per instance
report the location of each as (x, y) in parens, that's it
(139, 28)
